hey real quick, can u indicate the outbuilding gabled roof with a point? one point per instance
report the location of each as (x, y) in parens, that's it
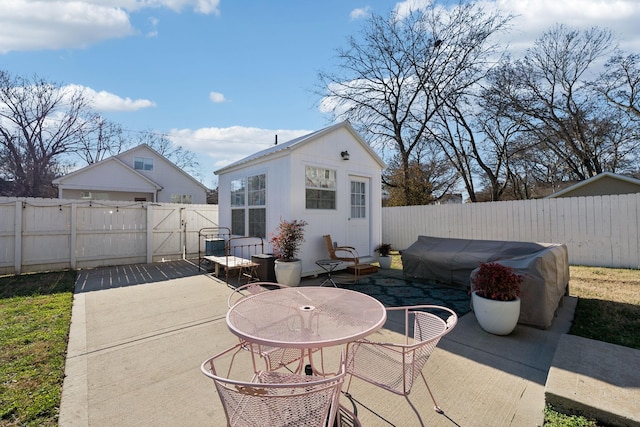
(127, 168)
(132, 176)
(600, 178)
(299, 142)
(143, 147)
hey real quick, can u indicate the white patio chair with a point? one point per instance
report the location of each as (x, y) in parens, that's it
(395, 366)
(268, 398)
(274, 357)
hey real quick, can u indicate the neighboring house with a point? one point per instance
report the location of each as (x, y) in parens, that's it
(140, 174)
(330, 178)
(603, 184)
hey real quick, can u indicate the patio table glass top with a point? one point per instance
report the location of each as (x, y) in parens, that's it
(306, 317)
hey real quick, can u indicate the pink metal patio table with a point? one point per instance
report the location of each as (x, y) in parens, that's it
(306, 317)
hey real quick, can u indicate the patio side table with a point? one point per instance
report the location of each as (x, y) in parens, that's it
(328, 265)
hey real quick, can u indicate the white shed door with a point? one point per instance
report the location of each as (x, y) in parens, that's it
(358, 222)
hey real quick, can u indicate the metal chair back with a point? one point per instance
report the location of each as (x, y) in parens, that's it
(267, 398)
(396, 366)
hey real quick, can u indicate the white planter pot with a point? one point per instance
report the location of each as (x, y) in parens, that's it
(496, 317)
(384, 261)
(288, 272)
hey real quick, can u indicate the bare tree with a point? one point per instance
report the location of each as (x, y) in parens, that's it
(620, 84)
(100, 139)
(401, 72)
(39, 122)
(431, 177)
(554, 94)
(181, 157)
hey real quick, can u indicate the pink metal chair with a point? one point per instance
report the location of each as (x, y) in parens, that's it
(267, 398)
(395, 366)
(274, 357)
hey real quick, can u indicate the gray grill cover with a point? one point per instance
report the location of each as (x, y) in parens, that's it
(545, 267)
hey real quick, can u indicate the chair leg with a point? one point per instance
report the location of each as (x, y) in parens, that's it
(435, 404)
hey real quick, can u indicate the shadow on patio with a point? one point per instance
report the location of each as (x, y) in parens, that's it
(135, 351)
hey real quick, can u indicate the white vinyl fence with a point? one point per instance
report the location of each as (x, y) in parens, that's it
(598, 231)
(56, 234)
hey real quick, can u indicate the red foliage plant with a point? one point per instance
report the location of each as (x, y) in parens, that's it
(287, 239)
(497, 282)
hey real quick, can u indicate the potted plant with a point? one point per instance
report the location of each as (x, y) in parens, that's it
(286, 242)
(495, 290)
(384, 257)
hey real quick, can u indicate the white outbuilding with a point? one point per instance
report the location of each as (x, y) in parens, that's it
(330, 178)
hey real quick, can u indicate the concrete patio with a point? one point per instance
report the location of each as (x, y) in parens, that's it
(139, 334)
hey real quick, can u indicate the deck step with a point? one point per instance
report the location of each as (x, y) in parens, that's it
(595, 379)
(363, 269)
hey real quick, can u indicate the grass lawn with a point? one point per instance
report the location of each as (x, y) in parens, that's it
(608, 305)
(36, 312)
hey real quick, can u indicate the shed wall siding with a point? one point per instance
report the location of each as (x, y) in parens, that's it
(286, 189)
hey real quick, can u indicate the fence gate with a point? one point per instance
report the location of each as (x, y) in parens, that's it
(168, 231)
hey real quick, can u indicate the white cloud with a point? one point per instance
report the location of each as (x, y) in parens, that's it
(105, 101)
(58, 24)
(404, 7)
(359, 13)
(154, 27)
(534, 17)
(205, 7)
(33, 25)
(220, 147)
(208, 6)
(216, 97)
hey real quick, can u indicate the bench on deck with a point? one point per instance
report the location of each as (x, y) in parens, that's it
(212, 242)
(238, 252)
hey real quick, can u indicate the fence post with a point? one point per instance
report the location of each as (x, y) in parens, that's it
(73, 228)
(17, 246)
(149, 233)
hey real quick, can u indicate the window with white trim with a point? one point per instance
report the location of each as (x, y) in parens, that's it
(142, 164)
(237, 206)
(358, 199)
(248, 206)
(320, 191)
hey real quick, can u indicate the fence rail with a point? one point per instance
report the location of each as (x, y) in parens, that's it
(54, 234)
(598, 231)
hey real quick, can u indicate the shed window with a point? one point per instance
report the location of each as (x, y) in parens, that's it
(237, 222)
(320, 188)
(358, 200)
(248, 206)
(237, 192)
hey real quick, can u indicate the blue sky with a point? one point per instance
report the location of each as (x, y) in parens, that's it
(223, 77)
